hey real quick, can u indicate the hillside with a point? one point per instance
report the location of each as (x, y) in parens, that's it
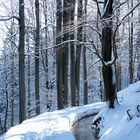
(123, 122)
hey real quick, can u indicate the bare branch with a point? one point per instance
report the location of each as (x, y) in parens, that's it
(4, 18)
(100, 2)
(12, 42)
(126, 17)
(119, 5)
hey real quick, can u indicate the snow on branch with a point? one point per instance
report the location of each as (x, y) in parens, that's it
(13, 42)
(98, 7)
(5, 18)
(126, 17)
(97, 1)
(74, 28)
(119, 5)
(53, 25)
(108, 63)
(106, 8)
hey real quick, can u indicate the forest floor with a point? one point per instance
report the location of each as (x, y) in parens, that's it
(55, 125)
(120, 123)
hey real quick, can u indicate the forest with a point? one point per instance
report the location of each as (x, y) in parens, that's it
(56, 54)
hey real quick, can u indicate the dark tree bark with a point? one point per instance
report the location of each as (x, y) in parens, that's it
(131, 67)
(37, 34)
(107, 53)
(12, 74)
(137, 44)
(85, 61)
(59, 55)
(72, 55)
(7, 103)
(29, 77)
(116, 43)
(78, 52)
(12, 90)
(65, 52)
(47, 65)
(22, 96)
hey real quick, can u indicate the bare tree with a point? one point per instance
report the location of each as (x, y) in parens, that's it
(78, 51)
(59, 55)
(37, 34)
(85, 86)
(22, 96)
(131, 47)
(107, 52)
(72, 55)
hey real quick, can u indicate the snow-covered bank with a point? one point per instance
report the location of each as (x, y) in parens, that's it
(123, 122)
(55, 125)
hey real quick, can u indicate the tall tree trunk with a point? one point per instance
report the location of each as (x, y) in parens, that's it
(7, 102)
(22, 96)
(138, 43)
(12, 75)
(117, 44)
(107, 52)
(78, 52)
(59, 55)
(72, 56)
(85, 61)
(12, 91)
(131, 47)
(29, 77)
(37, 96)
(46, 59)
(65, 52)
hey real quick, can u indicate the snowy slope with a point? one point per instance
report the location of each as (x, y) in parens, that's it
(55, 125)
(116, 123)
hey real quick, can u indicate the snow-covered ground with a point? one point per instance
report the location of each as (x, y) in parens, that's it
(117, 124)
(55, 125)
(121, 123)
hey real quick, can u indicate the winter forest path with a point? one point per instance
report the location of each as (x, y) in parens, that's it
(82, 129)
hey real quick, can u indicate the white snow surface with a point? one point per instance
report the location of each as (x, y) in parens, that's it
(55, 125)
(115, 123)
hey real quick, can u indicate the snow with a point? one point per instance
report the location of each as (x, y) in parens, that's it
(55, 125)
(115, 123)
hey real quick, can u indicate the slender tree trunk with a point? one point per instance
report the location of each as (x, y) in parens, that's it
(29, 78)
(138, 43)
(117, 44)
(85, 61)
(6, 96)
(59, 56)
(12, 91)
(78, 52)
(37, 96)
(131, 48)
(72, 56)
(12, 75)
(6, 110)
(46, 59)
(1, 127)
(65, 52)
(22, 96)
(107, 52)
